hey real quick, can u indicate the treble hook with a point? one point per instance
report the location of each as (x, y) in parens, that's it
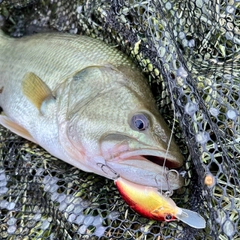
(107, 170)
(169, 193)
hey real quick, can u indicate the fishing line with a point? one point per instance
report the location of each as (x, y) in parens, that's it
(174, 115)
(168, 146)
(169, 143)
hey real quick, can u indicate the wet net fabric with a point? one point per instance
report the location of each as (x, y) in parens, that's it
(189, 51)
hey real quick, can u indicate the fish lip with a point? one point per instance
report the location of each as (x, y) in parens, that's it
(141, 170)
(154, 156)
(117, 146)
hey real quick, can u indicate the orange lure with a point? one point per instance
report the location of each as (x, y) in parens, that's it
(148, 202)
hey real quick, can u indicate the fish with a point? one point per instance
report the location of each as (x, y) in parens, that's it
(87, 104)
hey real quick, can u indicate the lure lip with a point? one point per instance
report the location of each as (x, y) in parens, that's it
(191, 218)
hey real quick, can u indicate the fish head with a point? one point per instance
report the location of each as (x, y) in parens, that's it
(143, 152)
(138, 145)
(116, 119)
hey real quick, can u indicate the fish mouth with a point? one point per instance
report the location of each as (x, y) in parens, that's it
(157, 157)
(142, 163)
(148, 167)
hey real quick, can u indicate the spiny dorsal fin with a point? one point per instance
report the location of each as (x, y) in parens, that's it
(35, 89)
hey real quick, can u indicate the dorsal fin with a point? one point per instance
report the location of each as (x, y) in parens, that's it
(35, 89)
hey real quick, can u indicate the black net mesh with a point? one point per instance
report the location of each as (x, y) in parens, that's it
(189, 50)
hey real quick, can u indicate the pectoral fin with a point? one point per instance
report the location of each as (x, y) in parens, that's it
(36, 90)
(14, 127)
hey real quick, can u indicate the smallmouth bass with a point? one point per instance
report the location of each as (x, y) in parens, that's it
(87, 104)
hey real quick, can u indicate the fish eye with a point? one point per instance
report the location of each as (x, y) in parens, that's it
(168, 217)
(139, 122)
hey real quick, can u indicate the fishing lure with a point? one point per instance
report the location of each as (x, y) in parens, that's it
(148, 202)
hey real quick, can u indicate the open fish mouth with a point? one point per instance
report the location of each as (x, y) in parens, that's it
(155, 156)
(148, 167)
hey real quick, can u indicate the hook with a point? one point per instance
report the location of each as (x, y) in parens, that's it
(107, 170)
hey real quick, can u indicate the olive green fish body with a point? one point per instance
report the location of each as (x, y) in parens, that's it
(87, 104)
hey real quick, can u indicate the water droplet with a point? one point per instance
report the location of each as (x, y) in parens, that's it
(53, 180)
(82, 229)
(45, 224)
(191, 108)
(70, 129)
(221, 217)
(229, 35)
(53, 188)
(97, 221)
(62, 197)
(70, 208)
(69, 198)
(114, 215)
(230, 9)
(11, 221)
(62, 206)
(73, 138)
(214, 111)
(228, 76)
(11, 205)
(79, 9)
(168, 6)
(71, 218)
(46, 179)
(182, 72)
(231, 114)
(88, 220)
(85, 204)
(47, 187)
(228, 228)
(3, 190)
(79, 219)
(55, 196)
(3, 204)
(199, 3)
(37, 216)
(11, 229)
(182, 35)
(39, 171)
(99, 232)
(191, 43)
(78, 209)
(2, 175)
(202, 137)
